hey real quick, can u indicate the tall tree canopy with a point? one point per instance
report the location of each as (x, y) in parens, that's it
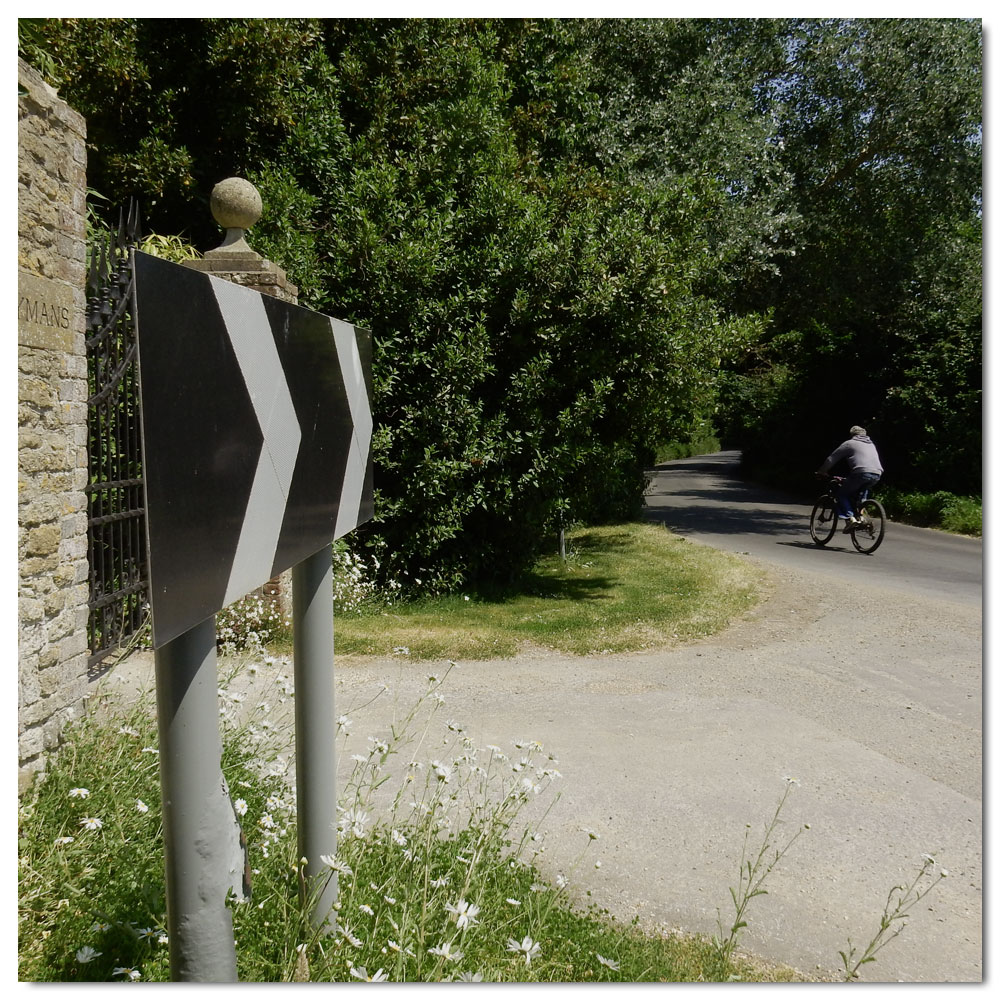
(574, 239)
(880, 123)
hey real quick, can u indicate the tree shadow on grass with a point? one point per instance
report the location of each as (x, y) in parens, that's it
(554, 588)
(552, 584)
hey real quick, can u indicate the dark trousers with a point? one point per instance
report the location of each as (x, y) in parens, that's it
(856, 483)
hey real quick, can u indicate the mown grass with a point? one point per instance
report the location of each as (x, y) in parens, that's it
(621, 588)
(435, 883)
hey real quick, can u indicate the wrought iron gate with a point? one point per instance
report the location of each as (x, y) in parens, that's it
(116, 516)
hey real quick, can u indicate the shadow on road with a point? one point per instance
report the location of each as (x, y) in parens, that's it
(738, 520)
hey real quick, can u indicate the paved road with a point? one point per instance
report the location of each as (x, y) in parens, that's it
(861, 681)
(703, 498)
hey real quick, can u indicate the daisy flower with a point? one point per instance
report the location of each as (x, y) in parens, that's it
(342, 867)
(360, 972)
(530, 949)
(349, 936)
(444, 950)
(463, 913)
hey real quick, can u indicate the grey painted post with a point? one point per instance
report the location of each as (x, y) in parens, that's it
(315, 730)
(199, 825)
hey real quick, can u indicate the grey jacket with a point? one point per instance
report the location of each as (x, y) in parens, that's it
(858, 453)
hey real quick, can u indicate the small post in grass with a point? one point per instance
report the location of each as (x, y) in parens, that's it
(315, 731)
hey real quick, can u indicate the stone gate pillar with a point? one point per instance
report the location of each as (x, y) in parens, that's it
(52, 418)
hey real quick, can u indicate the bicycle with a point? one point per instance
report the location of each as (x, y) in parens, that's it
(866, 535)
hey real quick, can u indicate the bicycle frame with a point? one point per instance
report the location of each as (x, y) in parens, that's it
(866, 532)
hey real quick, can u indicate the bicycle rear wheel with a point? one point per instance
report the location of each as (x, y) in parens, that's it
(868, 535)
(823, 521)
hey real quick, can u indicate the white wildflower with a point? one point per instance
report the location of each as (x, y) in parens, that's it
(349, 936)
(530, 949)
(463, 913)
(444, 950)
(87, 954)
(353, 821)
(360, 972)
(342, 867)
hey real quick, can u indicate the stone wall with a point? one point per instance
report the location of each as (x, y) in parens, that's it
(52, 419)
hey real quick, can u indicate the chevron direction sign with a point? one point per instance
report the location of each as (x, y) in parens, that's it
(256, 425)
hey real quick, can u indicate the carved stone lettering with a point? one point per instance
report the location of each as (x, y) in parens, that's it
(45, 311)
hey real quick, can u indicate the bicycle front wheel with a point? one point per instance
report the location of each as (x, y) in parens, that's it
(823, 521)
(868, 535)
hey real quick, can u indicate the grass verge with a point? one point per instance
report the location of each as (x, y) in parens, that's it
(622, 588)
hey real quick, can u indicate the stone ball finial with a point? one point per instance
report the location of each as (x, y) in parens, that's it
(235, 203)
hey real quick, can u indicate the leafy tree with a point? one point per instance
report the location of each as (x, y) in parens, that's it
(881, 124)
(536, 317)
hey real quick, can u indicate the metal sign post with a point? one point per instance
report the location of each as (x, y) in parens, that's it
(201, 836)
(315, 759)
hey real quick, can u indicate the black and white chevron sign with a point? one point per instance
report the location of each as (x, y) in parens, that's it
(256, 424)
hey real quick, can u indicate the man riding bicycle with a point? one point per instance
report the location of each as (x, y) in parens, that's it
(864, 470)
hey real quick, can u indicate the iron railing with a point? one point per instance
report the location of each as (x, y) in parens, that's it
(116, 514)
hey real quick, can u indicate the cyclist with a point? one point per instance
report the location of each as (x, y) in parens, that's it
(864, 470)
